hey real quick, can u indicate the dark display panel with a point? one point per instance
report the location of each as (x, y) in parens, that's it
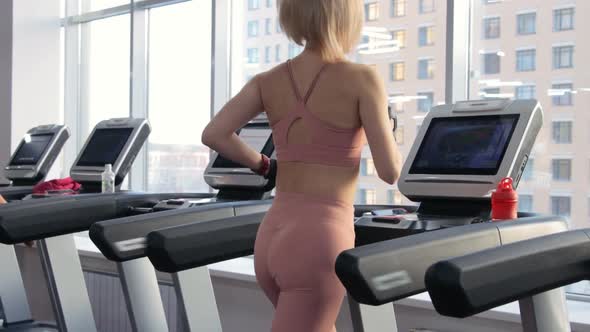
(473, 145)
(104, 147)
(31, 149)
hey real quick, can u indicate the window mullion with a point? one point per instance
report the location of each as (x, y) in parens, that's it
(139, 88)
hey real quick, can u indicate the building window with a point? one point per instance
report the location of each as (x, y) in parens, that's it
(526, 60)
(426, 36)
(397, 71)
(400, 37)
(525, 203)
(399, 135)
(363, 167)
(253, 56)
(268, 26)
(371, 11)
(425, 101)
(529, 169)
(253, 4)
(269, 3)
(294, 50)
(490, 93)
(563, 19)
(253, 29)
(425, 6)
(267, 54)
(563, 57)
(370, 196)
(278, 26)
(278, 53)
(491, 27)
(370, 167)
(425, 69)
(396, 102)
(525, 92)
(562, 94)
(562, 132)
(561, 169)
(398, 8)
(491, 63)
(526, 24)
(561, 206)
(394, 197)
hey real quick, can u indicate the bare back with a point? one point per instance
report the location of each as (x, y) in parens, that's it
(335, 101)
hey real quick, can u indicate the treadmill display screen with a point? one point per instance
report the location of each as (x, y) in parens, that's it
(473, 145)
(31, 149)
(104, 147)
(258, 139)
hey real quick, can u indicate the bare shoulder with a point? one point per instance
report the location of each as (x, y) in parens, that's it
(361, 76)
(271, 75)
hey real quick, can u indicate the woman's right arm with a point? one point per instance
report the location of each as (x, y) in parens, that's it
(378, 128)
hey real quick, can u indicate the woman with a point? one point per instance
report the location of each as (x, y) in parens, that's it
(320, 107)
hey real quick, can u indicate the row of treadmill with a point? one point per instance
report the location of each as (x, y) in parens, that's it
(447, 245)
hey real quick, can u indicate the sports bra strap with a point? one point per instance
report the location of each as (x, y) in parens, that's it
(311, 87)
(290, 70)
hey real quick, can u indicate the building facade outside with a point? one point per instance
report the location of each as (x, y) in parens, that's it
(520, 49)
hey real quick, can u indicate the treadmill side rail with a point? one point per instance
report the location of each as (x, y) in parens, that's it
(180, 248)
(391, 270)
(467, 285)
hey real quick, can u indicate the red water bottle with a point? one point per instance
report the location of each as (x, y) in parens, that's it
(504, 201)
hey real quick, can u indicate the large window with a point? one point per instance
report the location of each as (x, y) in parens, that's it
(372, 11)
(425, 69)
(397, 71)
(563, 19)
(398, 8)
(526, 60)
(563, 57)
(526, 23)
(179, 96)
(561, 169)
(491, 26)
(426, 36)
(562, 132)
(106, 80)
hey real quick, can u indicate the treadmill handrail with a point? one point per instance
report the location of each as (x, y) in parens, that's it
(37, 219)
(125, 239)
(391, 270)
(181, 248)
(470, 284)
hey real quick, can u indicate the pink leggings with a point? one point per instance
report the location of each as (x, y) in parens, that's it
(294, 256)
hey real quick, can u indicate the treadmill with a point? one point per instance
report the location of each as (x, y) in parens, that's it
(53, 220)
(33, 159)
(241, 193)
(467, 285)
(459, 156)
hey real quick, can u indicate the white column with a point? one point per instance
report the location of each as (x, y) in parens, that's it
(29, 69)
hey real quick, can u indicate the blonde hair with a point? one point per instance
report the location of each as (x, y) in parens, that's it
(331, 27)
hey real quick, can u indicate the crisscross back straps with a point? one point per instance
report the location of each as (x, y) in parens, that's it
(311, 87)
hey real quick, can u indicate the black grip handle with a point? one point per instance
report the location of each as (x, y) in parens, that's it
(467, 285)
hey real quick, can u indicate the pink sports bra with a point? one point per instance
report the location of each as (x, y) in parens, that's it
(329, 145)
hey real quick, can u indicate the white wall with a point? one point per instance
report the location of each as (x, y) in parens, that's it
(29, 69)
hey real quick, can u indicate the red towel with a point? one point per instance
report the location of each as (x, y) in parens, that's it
(57, 184)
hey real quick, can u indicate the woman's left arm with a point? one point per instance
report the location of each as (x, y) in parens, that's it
(220, 133)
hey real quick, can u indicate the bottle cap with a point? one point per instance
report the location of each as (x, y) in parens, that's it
(108, 167)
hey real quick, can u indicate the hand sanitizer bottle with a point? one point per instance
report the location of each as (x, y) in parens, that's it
(108, 179)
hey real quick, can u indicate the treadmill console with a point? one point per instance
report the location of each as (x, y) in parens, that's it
(36, 153)
(460, 154)
(463, 150)
(222, 173)
(116, 142)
